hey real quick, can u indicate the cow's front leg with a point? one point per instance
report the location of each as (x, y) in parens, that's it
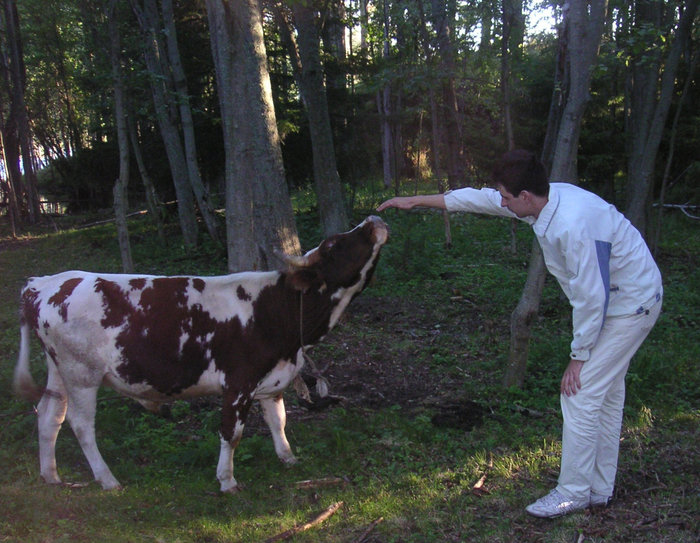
(276, 419)
(233, 415)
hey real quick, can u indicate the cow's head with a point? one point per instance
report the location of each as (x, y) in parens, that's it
(342, 261)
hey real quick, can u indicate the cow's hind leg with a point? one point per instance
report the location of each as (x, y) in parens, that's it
(276, 418)
(81, 415)
(51, 413)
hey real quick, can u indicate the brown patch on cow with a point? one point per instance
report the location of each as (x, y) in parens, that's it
(65, 291)
(199, 284)
(154, 332)
(138, 283)
(30, 305)
(115, 303)
(60, 299)
(243, 294)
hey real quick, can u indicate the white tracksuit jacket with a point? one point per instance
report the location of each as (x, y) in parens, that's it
(600, 260)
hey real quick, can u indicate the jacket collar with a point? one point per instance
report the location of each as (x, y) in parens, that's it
(547, 214)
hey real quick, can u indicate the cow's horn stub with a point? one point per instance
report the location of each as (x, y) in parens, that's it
(294, 261)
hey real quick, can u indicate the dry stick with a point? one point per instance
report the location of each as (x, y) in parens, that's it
(369, 529)
(316, 483)
(327, 513)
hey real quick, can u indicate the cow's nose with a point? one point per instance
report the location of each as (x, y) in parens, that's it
(380, 229)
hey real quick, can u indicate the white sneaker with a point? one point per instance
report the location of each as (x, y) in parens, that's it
(553, 505)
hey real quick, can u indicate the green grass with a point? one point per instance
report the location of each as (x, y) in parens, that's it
(440, 314)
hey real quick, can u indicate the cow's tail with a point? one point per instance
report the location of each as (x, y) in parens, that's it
(23, 382)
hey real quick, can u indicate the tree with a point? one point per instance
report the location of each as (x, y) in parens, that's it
(17, 138)
(259, 217)
(652, 81)
(583, 27)
(443, 17)
(304, 52)
(156, 57)
(120, 185)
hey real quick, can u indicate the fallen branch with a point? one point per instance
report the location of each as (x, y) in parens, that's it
(317, 483)
(369, 529)
(288, 534)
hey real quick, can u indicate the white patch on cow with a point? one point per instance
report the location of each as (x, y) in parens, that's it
(346, 294)
(279, 378)
(220, 294)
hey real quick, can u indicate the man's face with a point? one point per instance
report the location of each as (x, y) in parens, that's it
(521, 204)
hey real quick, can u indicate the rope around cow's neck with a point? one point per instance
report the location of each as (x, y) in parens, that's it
(299, 384)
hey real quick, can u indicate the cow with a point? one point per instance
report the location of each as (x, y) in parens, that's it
(160, 338)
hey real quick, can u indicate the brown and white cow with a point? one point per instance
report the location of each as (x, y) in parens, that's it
(156, 339)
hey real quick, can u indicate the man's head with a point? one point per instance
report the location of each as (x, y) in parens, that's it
(521, 179)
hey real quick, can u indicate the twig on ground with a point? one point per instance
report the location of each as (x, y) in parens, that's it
(369, 529)
(326, 514)
(316, 483)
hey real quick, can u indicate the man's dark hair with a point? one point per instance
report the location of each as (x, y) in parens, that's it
(520, 170)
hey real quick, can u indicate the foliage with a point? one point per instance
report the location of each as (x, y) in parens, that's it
(435, 317)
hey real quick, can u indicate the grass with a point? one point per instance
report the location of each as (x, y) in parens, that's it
(438, 316)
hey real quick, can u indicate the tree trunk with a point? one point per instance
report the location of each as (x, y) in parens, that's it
(153, 203)
(671, 149)
(308, 71)
(155, 55)
(259, 217)
(120, 186)
(649, 110)
(384, 109)
(443, 16)
(187, 124)
(584, 22)
(18, 110)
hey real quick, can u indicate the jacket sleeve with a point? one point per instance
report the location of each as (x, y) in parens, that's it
(588, 262)
(486, 201)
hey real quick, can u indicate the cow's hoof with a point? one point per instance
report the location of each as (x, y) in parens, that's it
(289, 460)
(235, 489)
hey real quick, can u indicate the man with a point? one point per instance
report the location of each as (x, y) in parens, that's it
(614, 287)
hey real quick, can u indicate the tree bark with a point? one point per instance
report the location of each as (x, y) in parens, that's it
(259, 217)
(585, 22)
(120, 186)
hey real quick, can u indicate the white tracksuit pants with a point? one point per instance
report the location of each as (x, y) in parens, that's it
(593, 416)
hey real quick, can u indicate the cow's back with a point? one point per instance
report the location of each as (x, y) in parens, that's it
(151, 337)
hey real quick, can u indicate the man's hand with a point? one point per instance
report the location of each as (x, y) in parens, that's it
(399, 202)
(571, 381)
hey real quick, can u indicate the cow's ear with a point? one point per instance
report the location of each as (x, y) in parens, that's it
(305, 279)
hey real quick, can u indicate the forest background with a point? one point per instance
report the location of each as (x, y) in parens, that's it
(243, 127)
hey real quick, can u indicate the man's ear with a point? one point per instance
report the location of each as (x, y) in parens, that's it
(304, 279)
